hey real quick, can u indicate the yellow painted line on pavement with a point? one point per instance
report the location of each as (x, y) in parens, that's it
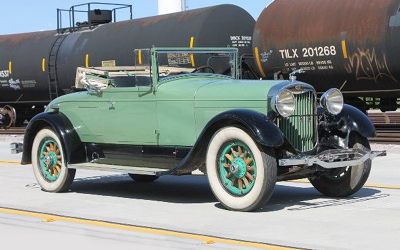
(11, 162)
(369, 185)
(139, 229)
(393, 187)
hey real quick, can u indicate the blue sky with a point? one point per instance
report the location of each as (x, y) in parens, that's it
(27, 15)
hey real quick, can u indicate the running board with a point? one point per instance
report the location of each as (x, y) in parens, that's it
(121, 169)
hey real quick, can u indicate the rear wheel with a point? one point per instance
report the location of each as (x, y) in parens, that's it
(240, 175)
(143, 178)
(344, 182)
(49, 164)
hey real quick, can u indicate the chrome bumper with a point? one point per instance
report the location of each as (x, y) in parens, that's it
(334, 158)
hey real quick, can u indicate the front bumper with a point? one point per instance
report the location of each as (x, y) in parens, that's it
(333, 158)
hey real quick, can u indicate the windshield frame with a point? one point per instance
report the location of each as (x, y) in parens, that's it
(231, 52)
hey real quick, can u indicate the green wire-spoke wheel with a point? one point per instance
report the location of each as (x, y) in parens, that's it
(237, 168)
(241, 176)
(49, 164)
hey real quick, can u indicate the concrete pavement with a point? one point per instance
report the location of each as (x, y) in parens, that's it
(297, 215)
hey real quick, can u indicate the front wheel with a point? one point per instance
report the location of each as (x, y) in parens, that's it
(344, 182)
(241, 176)
(49, 164)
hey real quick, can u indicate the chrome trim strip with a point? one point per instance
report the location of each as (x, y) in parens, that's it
(335, 158)
(121, 169)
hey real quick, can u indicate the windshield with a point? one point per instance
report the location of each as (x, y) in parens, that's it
(136, 80)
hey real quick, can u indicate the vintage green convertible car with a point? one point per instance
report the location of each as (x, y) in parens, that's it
(178, 110)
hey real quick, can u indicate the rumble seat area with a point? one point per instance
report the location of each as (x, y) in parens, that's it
(119, 77)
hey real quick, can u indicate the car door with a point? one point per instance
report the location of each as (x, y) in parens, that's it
(130, 117)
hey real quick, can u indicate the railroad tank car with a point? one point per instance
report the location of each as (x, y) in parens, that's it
(350, 45)
(37, 67)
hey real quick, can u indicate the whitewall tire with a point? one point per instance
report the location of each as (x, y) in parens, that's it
(241, 176)
(49, 163)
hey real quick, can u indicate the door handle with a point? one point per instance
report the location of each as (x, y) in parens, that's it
(112, 106)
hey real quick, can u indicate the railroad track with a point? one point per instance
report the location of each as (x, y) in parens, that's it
(387, 128)
(386, 137)
(387, 133)
(12, 131)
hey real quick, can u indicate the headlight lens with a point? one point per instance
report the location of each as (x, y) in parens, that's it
(284, 103)
(332, 101)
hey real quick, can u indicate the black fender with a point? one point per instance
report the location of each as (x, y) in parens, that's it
(356, 121)
(263, 131)
(352, 120)
(74, 150)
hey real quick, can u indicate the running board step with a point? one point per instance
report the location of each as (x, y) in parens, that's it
(121, 169)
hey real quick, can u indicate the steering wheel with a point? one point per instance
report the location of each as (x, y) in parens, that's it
(203, 69)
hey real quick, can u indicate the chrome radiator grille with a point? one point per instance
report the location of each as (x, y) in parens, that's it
(300, 129)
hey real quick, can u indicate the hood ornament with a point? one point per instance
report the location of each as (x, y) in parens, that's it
(292, 76)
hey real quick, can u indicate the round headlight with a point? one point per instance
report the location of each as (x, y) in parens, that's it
(284, 103)
(332, 101)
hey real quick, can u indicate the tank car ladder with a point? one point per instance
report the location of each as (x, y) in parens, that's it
(52, 66)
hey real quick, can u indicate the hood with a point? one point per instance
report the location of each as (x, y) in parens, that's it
(234, 91)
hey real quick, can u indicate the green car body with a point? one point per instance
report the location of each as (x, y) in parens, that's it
(174, 113)
(229, 128)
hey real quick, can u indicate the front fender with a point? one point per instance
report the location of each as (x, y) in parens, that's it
(257, 125)
(350, 120)
(71, 143)
(354, 120)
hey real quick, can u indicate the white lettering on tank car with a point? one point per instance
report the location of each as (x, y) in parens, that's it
(310, 52)
(4, 73)
(241, 41)
(289, 54)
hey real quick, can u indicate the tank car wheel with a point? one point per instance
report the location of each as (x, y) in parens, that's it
(49, 163)
(143, 178)
(8, 115)
(345, 181)
(241, 176)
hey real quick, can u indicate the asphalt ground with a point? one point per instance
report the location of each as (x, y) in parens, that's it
(109, 211)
